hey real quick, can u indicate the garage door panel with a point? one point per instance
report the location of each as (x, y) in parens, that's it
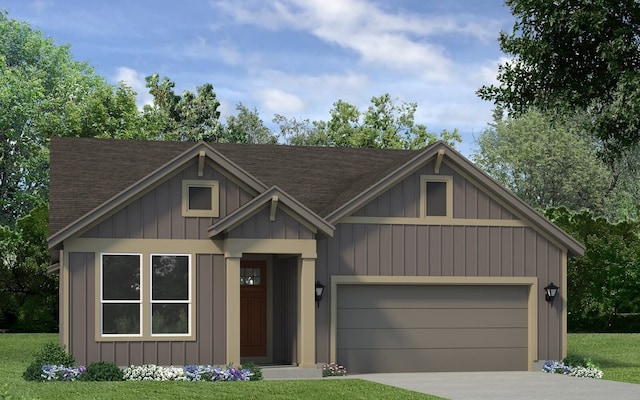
(431, 318)
(397, 328)
(440, 296)
(431, 338)
(433, 360)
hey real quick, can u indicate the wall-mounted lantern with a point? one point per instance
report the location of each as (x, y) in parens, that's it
(550, 292)
(319, 292)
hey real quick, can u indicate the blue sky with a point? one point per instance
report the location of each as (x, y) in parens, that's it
(293, 57)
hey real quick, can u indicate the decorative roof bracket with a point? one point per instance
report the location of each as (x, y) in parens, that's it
(436, 169)
(274, 207)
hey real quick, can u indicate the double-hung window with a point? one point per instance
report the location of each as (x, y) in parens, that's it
(146, 295)
(170, 294)
(121, 294)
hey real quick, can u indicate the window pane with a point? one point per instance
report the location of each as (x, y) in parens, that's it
(170, 280)
(170, 318)
(121, 277)
(199, 198)
(436, 199)
(123, 319)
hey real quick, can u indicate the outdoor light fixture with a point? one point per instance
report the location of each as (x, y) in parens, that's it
(319, 292)
(550, 292)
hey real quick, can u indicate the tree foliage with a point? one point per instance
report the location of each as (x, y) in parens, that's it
(247, 127)
(574, 55)
(545, 163)
(603, 284)
(386, 124)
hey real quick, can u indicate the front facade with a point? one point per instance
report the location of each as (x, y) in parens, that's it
(177, 253)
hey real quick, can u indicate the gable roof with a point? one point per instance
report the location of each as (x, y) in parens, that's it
(327, 182)
(270, 195)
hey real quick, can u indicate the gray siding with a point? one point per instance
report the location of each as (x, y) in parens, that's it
(421, 250)
(210, 303)
(403, 199)
(158, 213)
(260, 227)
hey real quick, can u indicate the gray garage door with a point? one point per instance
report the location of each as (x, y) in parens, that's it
(431, 328)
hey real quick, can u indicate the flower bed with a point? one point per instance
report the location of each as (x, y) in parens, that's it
(151, 372)
(589, 370)
(333, 369)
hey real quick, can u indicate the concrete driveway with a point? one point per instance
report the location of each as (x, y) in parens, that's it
(507, 385)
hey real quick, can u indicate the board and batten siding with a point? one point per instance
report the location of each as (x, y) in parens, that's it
(259, 226)
(210, 303)
(158, 213)
(403, 199)
(422, 250)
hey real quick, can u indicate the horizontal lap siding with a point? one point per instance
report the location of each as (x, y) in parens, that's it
(209, 348)
(158, 213)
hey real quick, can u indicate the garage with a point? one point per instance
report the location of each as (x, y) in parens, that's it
(432, 328)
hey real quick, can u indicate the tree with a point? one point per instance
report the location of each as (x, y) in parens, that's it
(385, 124)
(603, 284)
(29, 294)
(191, 116)
(247, 127)
(44, 92)
(574, 55)
(546, 163)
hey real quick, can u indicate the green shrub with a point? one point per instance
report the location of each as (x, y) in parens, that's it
(255, 370)
(578, 361)
(102, 371)
(50, 354)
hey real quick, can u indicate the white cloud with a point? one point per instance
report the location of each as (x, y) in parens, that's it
(135, 80)
(280, 102)
(398, 41)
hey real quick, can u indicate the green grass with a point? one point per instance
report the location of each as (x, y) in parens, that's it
(16, 352)
(617, 354)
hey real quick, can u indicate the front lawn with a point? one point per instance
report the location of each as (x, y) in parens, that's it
(617, 354)
(16, 352)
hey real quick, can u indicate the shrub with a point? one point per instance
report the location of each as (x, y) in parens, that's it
(586, 370)
(102, 371)
(254, 370)
(50, 354)
(575, 360)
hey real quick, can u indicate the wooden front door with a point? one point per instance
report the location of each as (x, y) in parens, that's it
(253, 308)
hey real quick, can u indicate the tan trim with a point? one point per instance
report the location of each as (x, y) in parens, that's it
(236, 247)
(233, 309)
(215, 198)
(383, 184)
(433, 221)
(306, 313)
(436, 168)
(514, 204)
(563, 295)
(65, 307)
(152, 180)
(145, 302)
(288, 204)
(532, 311)
(424, 179)
(206, 246)
(274, 207)
(201, 158)
(53, 268)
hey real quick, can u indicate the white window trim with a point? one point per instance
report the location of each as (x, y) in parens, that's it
(215, 196)
(189, 301)
(449, 193)
(102, 301)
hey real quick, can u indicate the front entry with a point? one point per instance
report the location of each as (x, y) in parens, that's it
(253, 308)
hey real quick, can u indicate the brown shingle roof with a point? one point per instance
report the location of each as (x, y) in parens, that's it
(87, 172)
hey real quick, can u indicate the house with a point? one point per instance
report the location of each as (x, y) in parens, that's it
(195, 253)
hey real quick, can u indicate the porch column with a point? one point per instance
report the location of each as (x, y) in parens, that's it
(306, 313)
(233, 310)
